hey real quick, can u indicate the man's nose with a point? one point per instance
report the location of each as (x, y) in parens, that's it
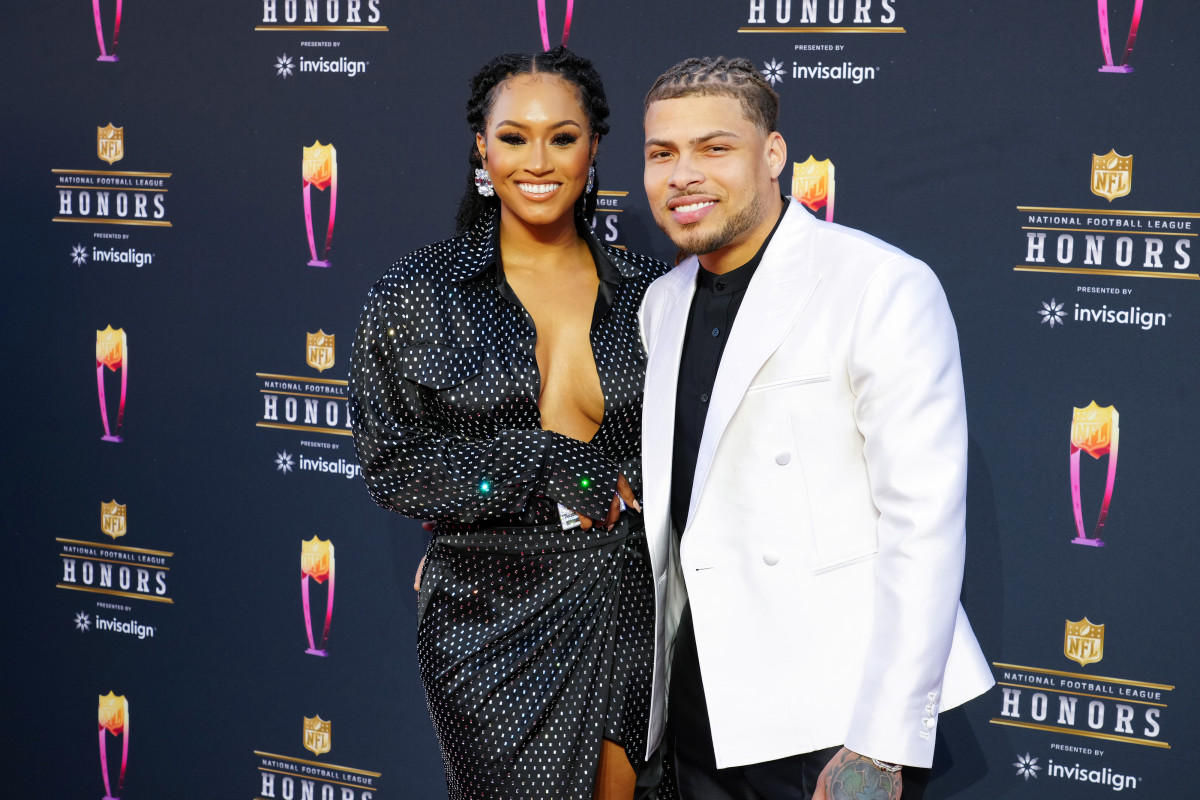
(686, 173)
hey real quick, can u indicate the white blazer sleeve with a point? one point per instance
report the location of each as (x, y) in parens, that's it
(907, 380)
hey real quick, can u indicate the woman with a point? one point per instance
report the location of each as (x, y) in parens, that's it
(496, 388)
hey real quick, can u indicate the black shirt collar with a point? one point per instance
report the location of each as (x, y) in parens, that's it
(738, 278)
(480, 254)
(480, 249)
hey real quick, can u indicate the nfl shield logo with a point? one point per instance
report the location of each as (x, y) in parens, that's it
(1084, 642)
(113, 713)
(317, 735)
(316, 557)
(812, 182)
(1092, 429)
(1112, 175)
(110, 143)
(320, 350)
(110, 347)
(112, 519)
(318, 165)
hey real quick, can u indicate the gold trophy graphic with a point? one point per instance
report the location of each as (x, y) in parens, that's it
(320, 170)
(1095, 430)
(112, 352)
(317, 562)
(114, 718)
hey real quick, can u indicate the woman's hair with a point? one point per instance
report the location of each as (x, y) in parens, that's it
(574, 69)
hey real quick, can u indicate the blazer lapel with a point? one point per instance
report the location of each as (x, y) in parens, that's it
(779, 291)
(665, 332)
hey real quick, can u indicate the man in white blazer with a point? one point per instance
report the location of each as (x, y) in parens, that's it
(805, 472)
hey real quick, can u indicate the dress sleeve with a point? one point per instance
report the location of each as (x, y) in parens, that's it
(417, 467)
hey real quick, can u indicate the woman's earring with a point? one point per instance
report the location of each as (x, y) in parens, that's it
(591, 179)
(483, 182)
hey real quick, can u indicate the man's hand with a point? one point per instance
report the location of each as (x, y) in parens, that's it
(849, 776)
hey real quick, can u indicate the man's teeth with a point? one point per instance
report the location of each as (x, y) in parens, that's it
(538, 188)
(694, 206)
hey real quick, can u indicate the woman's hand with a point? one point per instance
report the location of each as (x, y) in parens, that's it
(429, 525)
(624, 494)
(417, 577)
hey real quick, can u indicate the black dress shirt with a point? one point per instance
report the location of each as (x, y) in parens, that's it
(714, 307)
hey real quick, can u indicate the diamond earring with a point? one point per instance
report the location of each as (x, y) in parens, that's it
(483, 182)
(591, 179)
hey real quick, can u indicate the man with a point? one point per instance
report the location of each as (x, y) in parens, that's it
(805, 472)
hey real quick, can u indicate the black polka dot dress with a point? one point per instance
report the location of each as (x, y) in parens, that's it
(534, 642)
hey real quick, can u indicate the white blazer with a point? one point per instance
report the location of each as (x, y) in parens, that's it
(823, 552)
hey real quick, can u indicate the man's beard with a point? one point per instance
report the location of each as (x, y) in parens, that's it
(699, 243)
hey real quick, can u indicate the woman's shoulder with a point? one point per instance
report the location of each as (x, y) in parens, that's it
(429, 266)
(643, 268)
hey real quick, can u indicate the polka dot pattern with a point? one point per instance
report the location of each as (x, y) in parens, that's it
(534, 643)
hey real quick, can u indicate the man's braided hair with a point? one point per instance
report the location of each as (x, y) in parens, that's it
(728, 77)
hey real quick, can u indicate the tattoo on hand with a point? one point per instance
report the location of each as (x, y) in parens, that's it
(851, 777)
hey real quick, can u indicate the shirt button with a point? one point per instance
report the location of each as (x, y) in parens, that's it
(704, 398)
(716, 332)
(783, 458)
(720, 286)
(770, 558)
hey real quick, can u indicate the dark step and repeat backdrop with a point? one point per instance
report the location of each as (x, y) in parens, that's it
(197, 196)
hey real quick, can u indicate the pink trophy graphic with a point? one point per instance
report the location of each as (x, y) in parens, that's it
(1095, 430)
(112, 352)
(320, 170)
(114, 718)
(1106, 41)
(545, 26)
(105, 55)
(316, 562)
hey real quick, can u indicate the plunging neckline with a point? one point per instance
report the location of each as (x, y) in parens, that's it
(600, 308)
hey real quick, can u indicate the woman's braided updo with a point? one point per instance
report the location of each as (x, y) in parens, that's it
(574, 69)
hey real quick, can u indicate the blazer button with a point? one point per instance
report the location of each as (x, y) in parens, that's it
(783, 458)
(770, 558)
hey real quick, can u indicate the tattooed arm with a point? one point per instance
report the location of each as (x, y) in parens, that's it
(850, 776)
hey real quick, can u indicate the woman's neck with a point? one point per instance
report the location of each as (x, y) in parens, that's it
(527, 246)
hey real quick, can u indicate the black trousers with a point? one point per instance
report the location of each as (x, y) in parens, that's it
(690, 737)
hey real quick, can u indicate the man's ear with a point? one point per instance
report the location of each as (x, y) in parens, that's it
(776, 153)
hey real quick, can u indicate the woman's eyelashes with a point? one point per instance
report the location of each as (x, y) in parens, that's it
(559, 139)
